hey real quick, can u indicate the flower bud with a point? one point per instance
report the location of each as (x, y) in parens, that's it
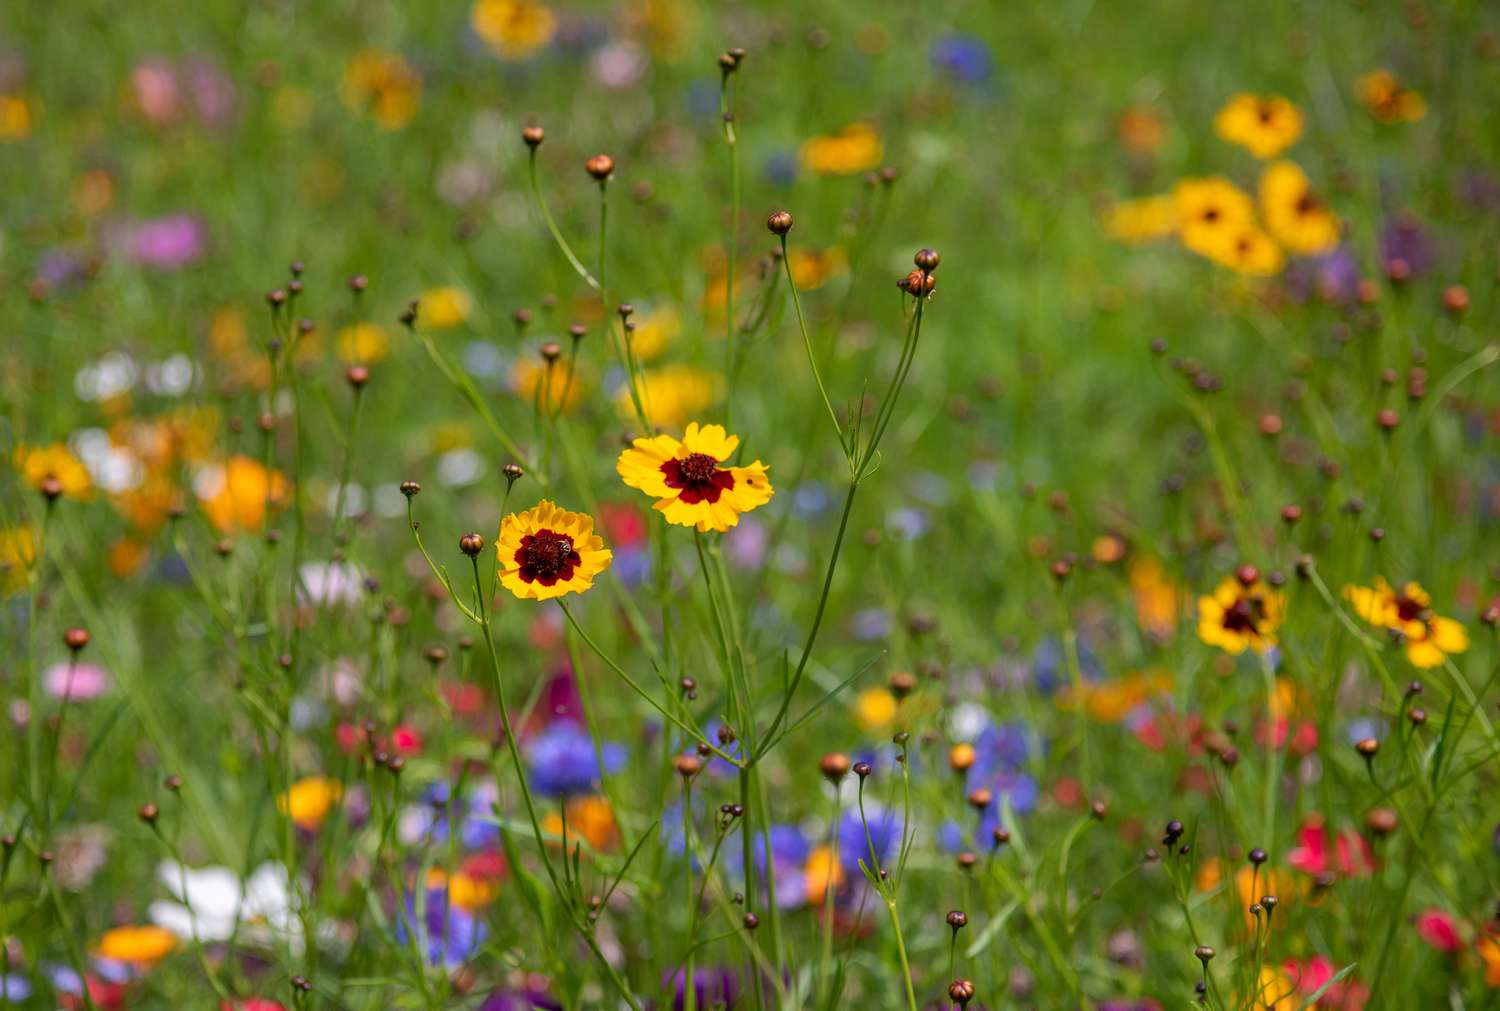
(471, 544)
(780, 222)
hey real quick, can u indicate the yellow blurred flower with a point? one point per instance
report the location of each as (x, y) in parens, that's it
(1209, 210)
(1488, 947)
(363, 344)
(1240, 613)
(1140, 130)
(38, 464)
(1157, 598)
(875, 708)
(672, 395)
(589, 818)
(1427, 637)
(1265, 125)
(466, 891)
(1137, 221)
(1111, 701)
(383, 86)
(813, 268)
(17, 555)
(529, 377)
(138, 945)
(93, 192)
(654, 332)
(308, 801)
(15, 118)
(821, 869)
(666, 27)
(1295, 215)
(855, 148)
(1248, 251)
(236, 494)
(1275, 991)
(441, 308)
(127, 557)
(513, 29)
(1387, 100)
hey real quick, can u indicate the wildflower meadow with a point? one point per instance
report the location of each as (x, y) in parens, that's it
(655, 504)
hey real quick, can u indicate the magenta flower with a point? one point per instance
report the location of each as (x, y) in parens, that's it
(169, 243)
(79, 681)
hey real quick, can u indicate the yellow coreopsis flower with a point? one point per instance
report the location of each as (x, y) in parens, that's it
(383, 86)
(1265, 125)
(1248, 251)
(15, 118)
(363, 344)
(308, 801)
(1243, 612)
(513, 29)
(1428, 637)
(17, 555)
(672, 394)
(1137, 221)
(1387, 100)
(237, 494)
(655, 330)
(689, 479)
(855, 148)
(813, 268)
(139, 945)
(1295, 215)
(548, 552)
(441, 308)
(39, 465)
(1209, 210)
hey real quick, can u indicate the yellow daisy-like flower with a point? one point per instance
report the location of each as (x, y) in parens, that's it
(855, 148)
(308, 801)
(811, 269)
(1208, 210)
(1428, 637)
(382, 85)
(441, 308)
(654, 331)
(821, 871)
(1243, 612)
(1138, 221)
(589, 818)
(39, 464)
(671, 395)
(1488, 947)
(513, 29)
(17, 556)
(875, 708)
(1265, 125)
(689, 481)
(363, 344)
(237, 495)
(547, 552)
(1388, 100)
(1295, 215)
(139, 945)
(15, 118)
(1248, 251)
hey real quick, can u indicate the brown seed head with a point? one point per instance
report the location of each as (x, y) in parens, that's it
(687, 766)
(927, 259)
(533, 136)
(471, 544)
(834, 766)
(601, 167)
(779, 222)
(410, 489)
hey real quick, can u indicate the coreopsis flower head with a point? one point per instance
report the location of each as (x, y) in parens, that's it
(1387, 100)
(17, 556)
(590, 818)
(1295, 215)
(548, 552)
(40, 465)
(1488, 947)
(1264, 125)
(1139, 221)
(445, 307)
(562, 760)
(671, 395)
(143, 945)
(308, 801)
(15, 118)
(513, 29)
(1426, 636)
(820, 872)
(1248, 251)
(654, 331)
(855, 148)
(690, 481)
(1241, 613)
(383, 86)
(363, 344)
(813, 268)
(237, 494)
(1209, 210)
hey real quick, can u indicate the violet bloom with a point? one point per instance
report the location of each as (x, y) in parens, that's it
(519, 1000)
(211, 90)
(854, 845)
(168, 243)
(1406, 240)
(562, 760)
(962, 58)
(78, 681)
(1333, 277)
(449, 934)
(713, 986)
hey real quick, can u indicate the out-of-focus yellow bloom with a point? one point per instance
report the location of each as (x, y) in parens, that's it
(441, 308)
(1387, 100)
(127, 557)
(513, 29)
(589, 818)
(17, 556)
(1238, 615)
(466, 891)
(1428, 637)
(821, 870)
(1274, 991)
(1209, 210)
(1265, 125)
(666, 27)
(1295, 215)
(551, 383)
(36, 464)
(227, 332)
(1249, 251)
(813, 268)
(236, 494)
(654, 332)
(855, 148)
(93, 192)
(1488, 947)
(1138, 221)
(15, 118)
(1140, 130)
(875, 708)
(1157, 598)
(1111, 701)
(383, 86)
(672, 395)
(139, 945)
(308, 801)
(1107, 549)
(363, 344)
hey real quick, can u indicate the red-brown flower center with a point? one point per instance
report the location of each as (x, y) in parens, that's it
(546, 556)
(1245, 616)
(1408, 609)
(698, 478)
